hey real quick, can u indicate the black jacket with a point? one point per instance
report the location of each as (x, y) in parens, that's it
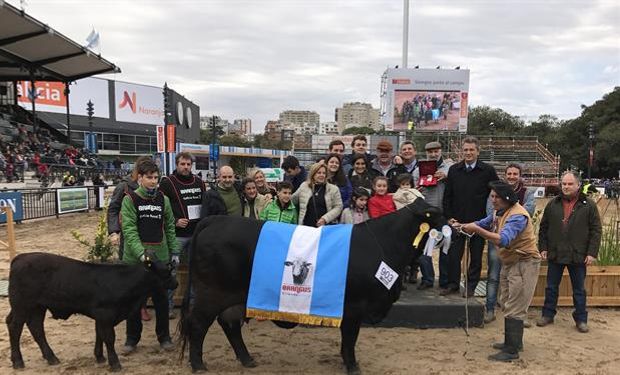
(114, 207)
(580, 237)
(179, 208)
(466, 193)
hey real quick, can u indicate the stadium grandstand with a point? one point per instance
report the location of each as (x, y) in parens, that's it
(32, 51)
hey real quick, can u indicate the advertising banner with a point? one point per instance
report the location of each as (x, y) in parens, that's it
(138, 103)
(171, 138)
(50, 96)
(72, 199)
(426, 100)
(13, 200)
(161, 139)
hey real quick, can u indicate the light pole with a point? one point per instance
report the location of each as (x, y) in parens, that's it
(591, 153)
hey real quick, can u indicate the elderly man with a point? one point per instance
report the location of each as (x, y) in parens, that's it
(510, 228)
(569, 236)
(388, 165)
(433, 194)
(465, 199)
(223, 198)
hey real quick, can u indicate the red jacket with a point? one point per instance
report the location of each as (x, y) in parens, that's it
(379, 205)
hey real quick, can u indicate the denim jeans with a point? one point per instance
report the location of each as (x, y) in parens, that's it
(494, 267)
(184, 245)
(577, 273)
(426, 269)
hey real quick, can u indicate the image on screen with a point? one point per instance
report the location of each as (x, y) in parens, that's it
(426, 110)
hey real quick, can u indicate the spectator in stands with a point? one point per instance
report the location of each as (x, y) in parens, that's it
(294, 173)
(464, 201)
(117, 163)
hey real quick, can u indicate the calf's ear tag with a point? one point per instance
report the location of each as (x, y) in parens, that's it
(424, 227)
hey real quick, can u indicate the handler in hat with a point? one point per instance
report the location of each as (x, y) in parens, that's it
(510, 228)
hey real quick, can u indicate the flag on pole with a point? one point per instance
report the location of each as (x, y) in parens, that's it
(92, 40)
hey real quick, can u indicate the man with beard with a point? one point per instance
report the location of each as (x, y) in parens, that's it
(185, 193)
(433, 195)
(569, 236)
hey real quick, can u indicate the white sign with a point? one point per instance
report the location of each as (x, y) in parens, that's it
(273, 174)
(50, 96)
(138, 103)
(386, 275)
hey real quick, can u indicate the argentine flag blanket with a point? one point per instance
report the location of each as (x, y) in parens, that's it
(299, 273)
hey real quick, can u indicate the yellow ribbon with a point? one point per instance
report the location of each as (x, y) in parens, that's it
(424, 227)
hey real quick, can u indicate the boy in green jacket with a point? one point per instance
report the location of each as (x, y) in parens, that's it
(281, 209)
(147, 224)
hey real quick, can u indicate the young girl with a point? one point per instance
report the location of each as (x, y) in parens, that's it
(381, 202)
(357, 212)
(405, 193)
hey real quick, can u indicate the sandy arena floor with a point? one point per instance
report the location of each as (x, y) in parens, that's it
(557, 349)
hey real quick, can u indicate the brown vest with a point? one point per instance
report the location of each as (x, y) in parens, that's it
(524, 245)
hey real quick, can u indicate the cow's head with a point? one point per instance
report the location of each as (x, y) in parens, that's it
(162, 272)
(424, 214)
(300, 270)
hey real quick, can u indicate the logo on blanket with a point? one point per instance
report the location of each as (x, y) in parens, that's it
(300, 269)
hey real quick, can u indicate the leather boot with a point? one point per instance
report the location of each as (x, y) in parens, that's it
(513, 340)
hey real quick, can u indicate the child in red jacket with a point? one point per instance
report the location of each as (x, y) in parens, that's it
(381, 203)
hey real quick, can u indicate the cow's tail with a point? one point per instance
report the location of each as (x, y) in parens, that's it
(184, 327)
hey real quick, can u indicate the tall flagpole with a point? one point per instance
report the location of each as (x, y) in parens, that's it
(405, 33)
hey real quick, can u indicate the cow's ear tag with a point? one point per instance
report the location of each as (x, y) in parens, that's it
(424, 227)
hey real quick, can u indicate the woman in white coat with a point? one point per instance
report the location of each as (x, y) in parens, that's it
(319, 201)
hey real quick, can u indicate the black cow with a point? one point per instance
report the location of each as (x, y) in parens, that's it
(106, 293)
(221, 265)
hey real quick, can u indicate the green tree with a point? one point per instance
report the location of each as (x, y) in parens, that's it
(358, 130)
(484, 120)
(206, 135)
(234, 140)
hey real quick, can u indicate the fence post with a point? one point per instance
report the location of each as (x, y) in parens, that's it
(10, 230)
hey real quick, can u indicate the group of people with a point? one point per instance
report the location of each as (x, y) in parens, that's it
(424, 108)
(350, 188)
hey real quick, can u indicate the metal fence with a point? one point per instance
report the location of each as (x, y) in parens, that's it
(44, 202)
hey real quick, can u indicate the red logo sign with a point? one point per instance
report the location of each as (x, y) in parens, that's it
(401, 81)
(127, 101)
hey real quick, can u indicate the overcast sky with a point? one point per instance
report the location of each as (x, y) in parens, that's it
(255, 58)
